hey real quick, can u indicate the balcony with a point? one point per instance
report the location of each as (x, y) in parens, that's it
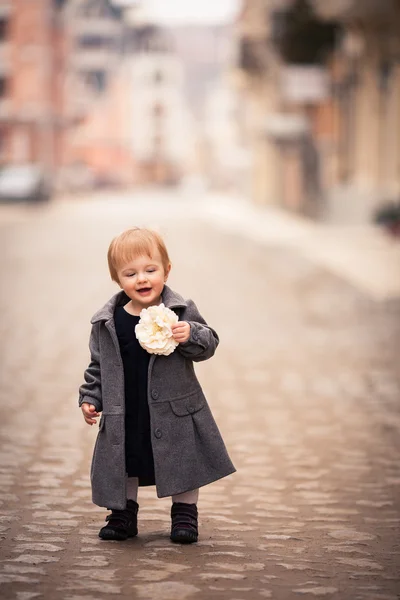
(105, 27)
(96, 58)
(349, 10)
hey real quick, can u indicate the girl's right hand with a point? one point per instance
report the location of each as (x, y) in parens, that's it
(89, 412)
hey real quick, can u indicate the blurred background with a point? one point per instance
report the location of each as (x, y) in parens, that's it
(262, 139)
(292, 103)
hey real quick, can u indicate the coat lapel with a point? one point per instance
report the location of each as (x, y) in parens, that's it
(172, 299)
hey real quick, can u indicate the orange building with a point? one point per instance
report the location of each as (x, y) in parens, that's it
(96, 151)
(102, 140)
(32, 52)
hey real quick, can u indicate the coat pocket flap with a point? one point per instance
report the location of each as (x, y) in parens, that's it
(187, 406)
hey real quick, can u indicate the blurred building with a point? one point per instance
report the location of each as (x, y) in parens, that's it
(207, 52)
(95, 150)
(226, 160)
(281, 74)
(99, 146)
(160, 123)
(320, 83)
(95, 31)
(33, 50)
(126, 98)
(59, 98)
(365, 75)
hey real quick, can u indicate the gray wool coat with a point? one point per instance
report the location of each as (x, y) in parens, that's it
(187, 446)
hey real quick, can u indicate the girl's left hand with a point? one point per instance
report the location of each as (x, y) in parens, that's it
(181, 331)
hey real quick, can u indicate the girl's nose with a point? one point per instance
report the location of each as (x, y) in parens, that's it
(142, 277)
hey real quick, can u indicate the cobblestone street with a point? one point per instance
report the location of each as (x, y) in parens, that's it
(305, 387)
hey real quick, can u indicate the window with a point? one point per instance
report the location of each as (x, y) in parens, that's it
(96, 9)
(3, 29)
(96, 80)
(3, 87)
(95, 41)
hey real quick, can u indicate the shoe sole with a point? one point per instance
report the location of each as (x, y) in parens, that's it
(184, 537)
(111, 535)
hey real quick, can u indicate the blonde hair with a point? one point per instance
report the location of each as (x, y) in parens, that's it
(135, 242)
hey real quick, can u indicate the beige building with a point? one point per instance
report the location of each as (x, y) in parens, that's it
(227, 161)
(284, 87)
(323, 126)
(366, 82)
(160, 124)
(255, 79)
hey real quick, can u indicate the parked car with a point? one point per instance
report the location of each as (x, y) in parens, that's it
(23, 183)
(388, 217)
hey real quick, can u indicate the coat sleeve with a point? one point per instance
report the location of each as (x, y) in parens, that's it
(203, 340)
(90, 391)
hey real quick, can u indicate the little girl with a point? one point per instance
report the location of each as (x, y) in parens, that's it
(156, 427)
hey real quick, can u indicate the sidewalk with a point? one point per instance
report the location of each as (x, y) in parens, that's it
(362, 255)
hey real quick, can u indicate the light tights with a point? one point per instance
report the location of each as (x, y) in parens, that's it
(132, 488)
(187, 497)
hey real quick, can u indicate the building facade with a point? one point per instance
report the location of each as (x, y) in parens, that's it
(33, 50)
(61, 90)
(323, 77)
(95, 151)
(160, 123)
(366, 91)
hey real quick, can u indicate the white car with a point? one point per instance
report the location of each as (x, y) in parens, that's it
(23, 183)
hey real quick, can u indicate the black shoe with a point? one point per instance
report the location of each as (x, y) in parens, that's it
(184, 523)
(122, 524)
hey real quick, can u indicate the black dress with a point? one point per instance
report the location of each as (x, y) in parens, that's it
(138, 450)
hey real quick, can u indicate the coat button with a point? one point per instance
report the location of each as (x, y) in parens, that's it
(190, 408)
(158, 433)
(195, 336)
(154, 394)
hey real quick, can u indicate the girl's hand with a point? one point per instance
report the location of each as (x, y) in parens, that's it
(89, 412)
(181, 331)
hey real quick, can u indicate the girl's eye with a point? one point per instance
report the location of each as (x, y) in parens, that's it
(150, 270)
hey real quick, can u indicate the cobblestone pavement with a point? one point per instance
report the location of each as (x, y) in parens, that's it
(304, 386)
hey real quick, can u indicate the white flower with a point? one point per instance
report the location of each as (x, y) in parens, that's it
(154, 330)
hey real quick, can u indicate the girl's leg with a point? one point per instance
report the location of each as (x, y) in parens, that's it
(191, 497)
(132, 488)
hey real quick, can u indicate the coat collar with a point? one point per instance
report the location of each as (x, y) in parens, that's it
(169, 298)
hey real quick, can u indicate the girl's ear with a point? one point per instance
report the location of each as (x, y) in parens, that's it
(168, 269)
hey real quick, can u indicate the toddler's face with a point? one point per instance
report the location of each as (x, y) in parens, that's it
(142, 279)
